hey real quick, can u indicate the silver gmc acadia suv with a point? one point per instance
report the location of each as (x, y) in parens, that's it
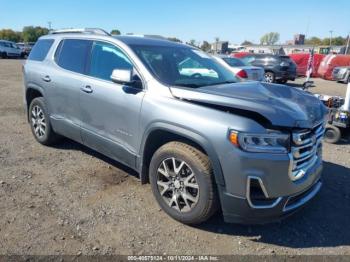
(180, 119)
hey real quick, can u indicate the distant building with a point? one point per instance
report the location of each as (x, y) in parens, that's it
(277, 49)
(299, 39)
(220, 47)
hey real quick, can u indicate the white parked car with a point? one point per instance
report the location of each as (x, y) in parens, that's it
(191, 68)
(9, 49)
(240, 69)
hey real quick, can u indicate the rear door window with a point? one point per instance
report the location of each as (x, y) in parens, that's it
(72, 54)
(40, 49)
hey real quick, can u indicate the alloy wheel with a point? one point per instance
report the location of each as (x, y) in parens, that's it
(177, 184)
(268, 78)
(38, 121)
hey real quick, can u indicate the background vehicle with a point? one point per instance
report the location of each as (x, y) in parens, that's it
(301, 60)
(202, 141)
(329, 62)
(341, 74)
(26, 48)
(9, 49)
(242, 71)
(191, 68)
(277, 68)
(338, 122)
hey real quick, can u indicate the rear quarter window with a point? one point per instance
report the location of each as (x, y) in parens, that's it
(40, 50)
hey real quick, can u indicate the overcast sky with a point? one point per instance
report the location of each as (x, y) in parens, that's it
(235, 20)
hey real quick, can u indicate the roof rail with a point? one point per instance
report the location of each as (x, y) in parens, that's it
(96, 31)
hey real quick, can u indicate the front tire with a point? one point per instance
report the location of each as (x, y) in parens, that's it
(332, 134)
(182, 182)
(40, 122)
(269, 77)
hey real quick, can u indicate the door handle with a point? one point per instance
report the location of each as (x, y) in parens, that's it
(87, 89)
(46, 79)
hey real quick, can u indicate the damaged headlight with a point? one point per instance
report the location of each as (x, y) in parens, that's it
(261, 143)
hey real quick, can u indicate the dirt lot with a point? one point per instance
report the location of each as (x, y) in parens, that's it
(72, 200)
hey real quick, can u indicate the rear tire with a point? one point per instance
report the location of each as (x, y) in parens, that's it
(269, 77)
(3, 55)
(182, 182)
(40, 122)
(332, 134)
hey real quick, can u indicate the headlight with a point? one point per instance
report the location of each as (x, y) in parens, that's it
(261, 143)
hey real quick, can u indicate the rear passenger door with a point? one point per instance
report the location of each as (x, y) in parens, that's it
(110, 111)
(66, 80)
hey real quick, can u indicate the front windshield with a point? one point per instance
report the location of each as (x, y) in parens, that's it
(183, 66)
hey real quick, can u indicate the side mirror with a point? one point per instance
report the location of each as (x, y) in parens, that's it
(122, 76)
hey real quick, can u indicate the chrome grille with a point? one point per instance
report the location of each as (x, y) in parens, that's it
(306, 150)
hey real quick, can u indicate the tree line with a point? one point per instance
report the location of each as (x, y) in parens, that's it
(270, 39)
(273, 37)
(339, 40)
(28, 34)
(31, 34)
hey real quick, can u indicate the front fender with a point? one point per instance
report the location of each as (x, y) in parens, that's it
(188, 134)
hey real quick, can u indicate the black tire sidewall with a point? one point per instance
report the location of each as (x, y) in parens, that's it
(40, 102)
(194, 215)
(272, 75)
(335, 132)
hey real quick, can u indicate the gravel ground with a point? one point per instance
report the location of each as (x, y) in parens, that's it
(72, 200)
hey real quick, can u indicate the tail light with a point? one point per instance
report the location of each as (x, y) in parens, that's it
(242, 74)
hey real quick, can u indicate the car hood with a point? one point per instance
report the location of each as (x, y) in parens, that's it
(282, 105)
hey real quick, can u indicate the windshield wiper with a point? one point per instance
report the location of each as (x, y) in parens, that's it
(222, 83)
(190, 85)
(226, 82)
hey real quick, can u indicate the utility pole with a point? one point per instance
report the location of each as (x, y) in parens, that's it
(49, 24)
(216, 44)
(330, 39)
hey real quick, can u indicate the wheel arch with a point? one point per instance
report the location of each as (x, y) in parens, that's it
(269, 70)
(32, 93)
(162, 133)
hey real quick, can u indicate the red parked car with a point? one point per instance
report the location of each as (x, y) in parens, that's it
(329, 62)
(302, 59)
